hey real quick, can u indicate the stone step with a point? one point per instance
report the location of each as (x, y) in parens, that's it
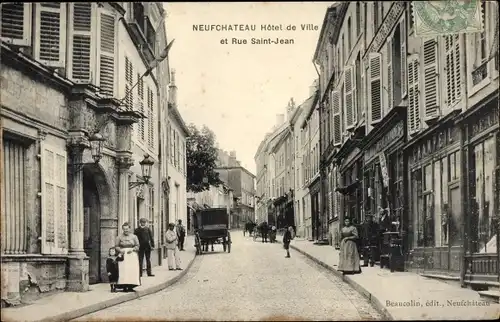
(492, 296)
(442, 277)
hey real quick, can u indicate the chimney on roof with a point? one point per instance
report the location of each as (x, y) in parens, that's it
(172, 89)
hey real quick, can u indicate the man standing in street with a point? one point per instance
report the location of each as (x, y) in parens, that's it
(146, 243)
(172, 250)
(369, 240)
(287, 238)
(181, 234)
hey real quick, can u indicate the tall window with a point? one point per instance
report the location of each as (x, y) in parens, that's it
(349, 35)
(428, 205)
(151, 206)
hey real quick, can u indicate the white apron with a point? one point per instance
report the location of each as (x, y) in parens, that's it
(128, 269)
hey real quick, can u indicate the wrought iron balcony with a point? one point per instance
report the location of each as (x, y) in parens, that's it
(480, 73)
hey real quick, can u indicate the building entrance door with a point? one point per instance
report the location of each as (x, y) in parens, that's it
(92, 232)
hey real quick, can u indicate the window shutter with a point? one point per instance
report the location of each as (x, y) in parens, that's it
(348, 97)
(354, 94)
(150, 119)
(54, 200)
(452, 70)
(337, 127)
(106, 57)
(50, 47)
(81, 41)
(375, 86)
(16, 27)
(404, 81)
(140, 103)
(390, 88)
(413, 95)
(129, 79)
(430, 73)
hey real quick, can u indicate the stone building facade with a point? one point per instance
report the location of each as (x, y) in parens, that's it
(62, 209)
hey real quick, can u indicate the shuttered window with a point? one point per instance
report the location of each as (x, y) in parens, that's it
(375, 86)
(151, 119)
(348, 97)
(14, 221)
(107, 53)
(82, 41)
(452, 70)
(413, 95)
(337, 124)
(129, 79)
(50, 40)
(54, 200)
(16, 23)
(140, 104)
(390, 87)
(430, 72)
(404, 80)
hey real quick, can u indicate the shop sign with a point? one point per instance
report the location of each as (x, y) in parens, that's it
(396, 133)
(485, 122)
(437, 141)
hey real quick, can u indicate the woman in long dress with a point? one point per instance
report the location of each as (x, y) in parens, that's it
(128, 269)
(349, 256)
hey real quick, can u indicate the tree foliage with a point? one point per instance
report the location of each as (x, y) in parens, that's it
(201, 158)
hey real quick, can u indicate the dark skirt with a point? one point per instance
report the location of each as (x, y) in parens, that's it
(286, 246)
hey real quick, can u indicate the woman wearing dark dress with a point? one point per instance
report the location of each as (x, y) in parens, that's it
(349, 257)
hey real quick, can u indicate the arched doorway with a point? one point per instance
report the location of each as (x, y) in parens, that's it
(95, 206)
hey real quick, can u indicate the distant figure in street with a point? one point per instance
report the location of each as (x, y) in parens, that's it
(264, 230)
(112, 268)
(181, 234)
(349, 256)
(287, 238)
(370, 240)
(172, 250)
(127, 244)
(146, 243)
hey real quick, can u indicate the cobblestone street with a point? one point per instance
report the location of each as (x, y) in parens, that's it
(253, 282)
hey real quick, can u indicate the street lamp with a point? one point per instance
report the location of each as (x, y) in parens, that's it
(146, 166)
(96, 141)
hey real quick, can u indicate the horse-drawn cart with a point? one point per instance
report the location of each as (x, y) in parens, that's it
(212, 227)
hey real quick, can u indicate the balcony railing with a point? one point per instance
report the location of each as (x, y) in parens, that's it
(480, 73)
(481, 268)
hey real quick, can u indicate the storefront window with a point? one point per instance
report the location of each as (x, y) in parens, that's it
(454, 166)
(417, 205)
(428, 205)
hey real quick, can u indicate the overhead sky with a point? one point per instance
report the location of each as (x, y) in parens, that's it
(237, 89)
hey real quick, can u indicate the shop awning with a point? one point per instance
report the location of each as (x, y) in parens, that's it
(350, 189)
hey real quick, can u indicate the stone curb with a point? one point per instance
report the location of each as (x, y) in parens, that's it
(360, 289)
(118, 300)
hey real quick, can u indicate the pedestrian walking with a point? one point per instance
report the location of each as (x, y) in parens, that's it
(287, 238)
(146, 243)
(349, 262)
(181, 234)
(264, 230)
(127, 244)
(112, 268)
(370, 241)
(172, 249)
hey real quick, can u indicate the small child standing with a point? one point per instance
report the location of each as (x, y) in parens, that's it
(112, 267)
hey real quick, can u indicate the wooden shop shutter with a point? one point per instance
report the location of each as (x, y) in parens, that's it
(15, 24)
(404, 80)
(375, 86)
(413, 95)
(431, 83)
(82, 41)
(150, 118)
(348, 96)
(390, 88)
(106, 57)
(50, 25)
(452, 69)
(140, 103)
(54, 200)
(337, 126)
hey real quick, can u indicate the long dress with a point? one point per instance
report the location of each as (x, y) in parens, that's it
(349, 256)
(128, 269)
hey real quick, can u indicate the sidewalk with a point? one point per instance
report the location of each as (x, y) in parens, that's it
(405, 295)
(66, 306)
